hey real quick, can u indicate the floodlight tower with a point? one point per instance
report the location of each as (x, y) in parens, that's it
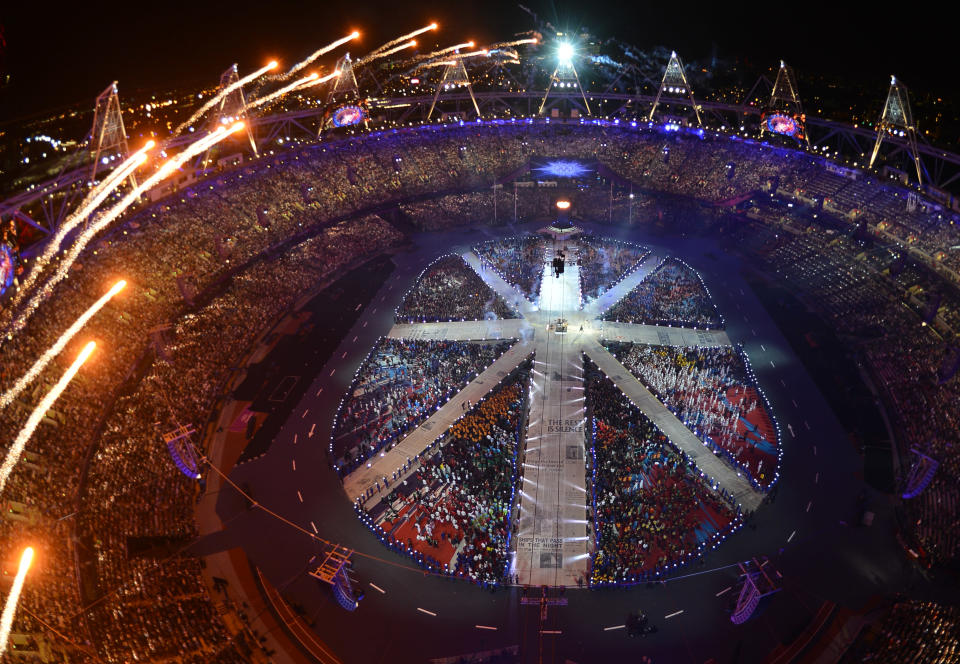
(346, 83)
(231, 108)
(454, 76)
(785, 99)
(108, 138)
(674, 84)
(564, 75)
(897, 120)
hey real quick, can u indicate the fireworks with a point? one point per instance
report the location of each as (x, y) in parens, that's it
(313, 56)
(20, 442)
(442, 51)
(379, 52)
(223, 93)
(7, 397)
(111, 214)
(322, 79)
(517, 42)
(10, 608)
(382, 54)
(266, 99)
(93, 200)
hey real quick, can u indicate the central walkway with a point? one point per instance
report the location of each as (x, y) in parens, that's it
(552, 543)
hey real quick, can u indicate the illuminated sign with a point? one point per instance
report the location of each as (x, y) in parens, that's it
(348, 115)
(785, 125)
(8, 267)
(562, 168)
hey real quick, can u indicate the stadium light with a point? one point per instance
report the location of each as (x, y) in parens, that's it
(565, 52)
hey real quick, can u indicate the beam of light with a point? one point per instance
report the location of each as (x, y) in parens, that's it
(378, 52)
(375, 56)
(20, 442)
(313, 56)
(10, 608)
(223, 93)
(7, 397)
(282, 91)
(105, 219)
(85, 209)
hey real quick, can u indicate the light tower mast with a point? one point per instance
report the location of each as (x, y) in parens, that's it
(454, 76)
(108, 138)
(231, 108)
(346, 83)
(897, 120)
(785, 106)
(675, 85)
(565, 75)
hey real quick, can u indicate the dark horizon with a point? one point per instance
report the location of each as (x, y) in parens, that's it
(53, 63)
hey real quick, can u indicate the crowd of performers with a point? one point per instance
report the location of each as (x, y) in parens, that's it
(711, 391)
(449, 290)
(671, 295)
(652, 509)
(603, 262)
(400, 384)
(519, 260)
(452, 514)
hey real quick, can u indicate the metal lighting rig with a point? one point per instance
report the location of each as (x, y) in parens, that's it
(897, 120)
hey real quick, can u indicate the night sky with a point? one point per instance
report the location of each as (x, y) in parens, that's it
(59, 53)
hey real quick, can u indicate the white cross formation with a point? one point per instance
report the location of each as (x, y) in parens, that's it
(552, 542)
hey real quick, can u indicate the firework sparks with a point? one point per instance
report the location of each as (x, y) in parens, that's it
(266, 99)
(382, 54)
(313, 56)
(7, 397)
(223, 93)
(10, 608)
(20, 442)
(110, 215)
(93, 200)
(379, 51)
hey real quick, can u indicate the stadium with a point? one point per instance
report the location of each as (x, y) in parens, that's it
(494, 353)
